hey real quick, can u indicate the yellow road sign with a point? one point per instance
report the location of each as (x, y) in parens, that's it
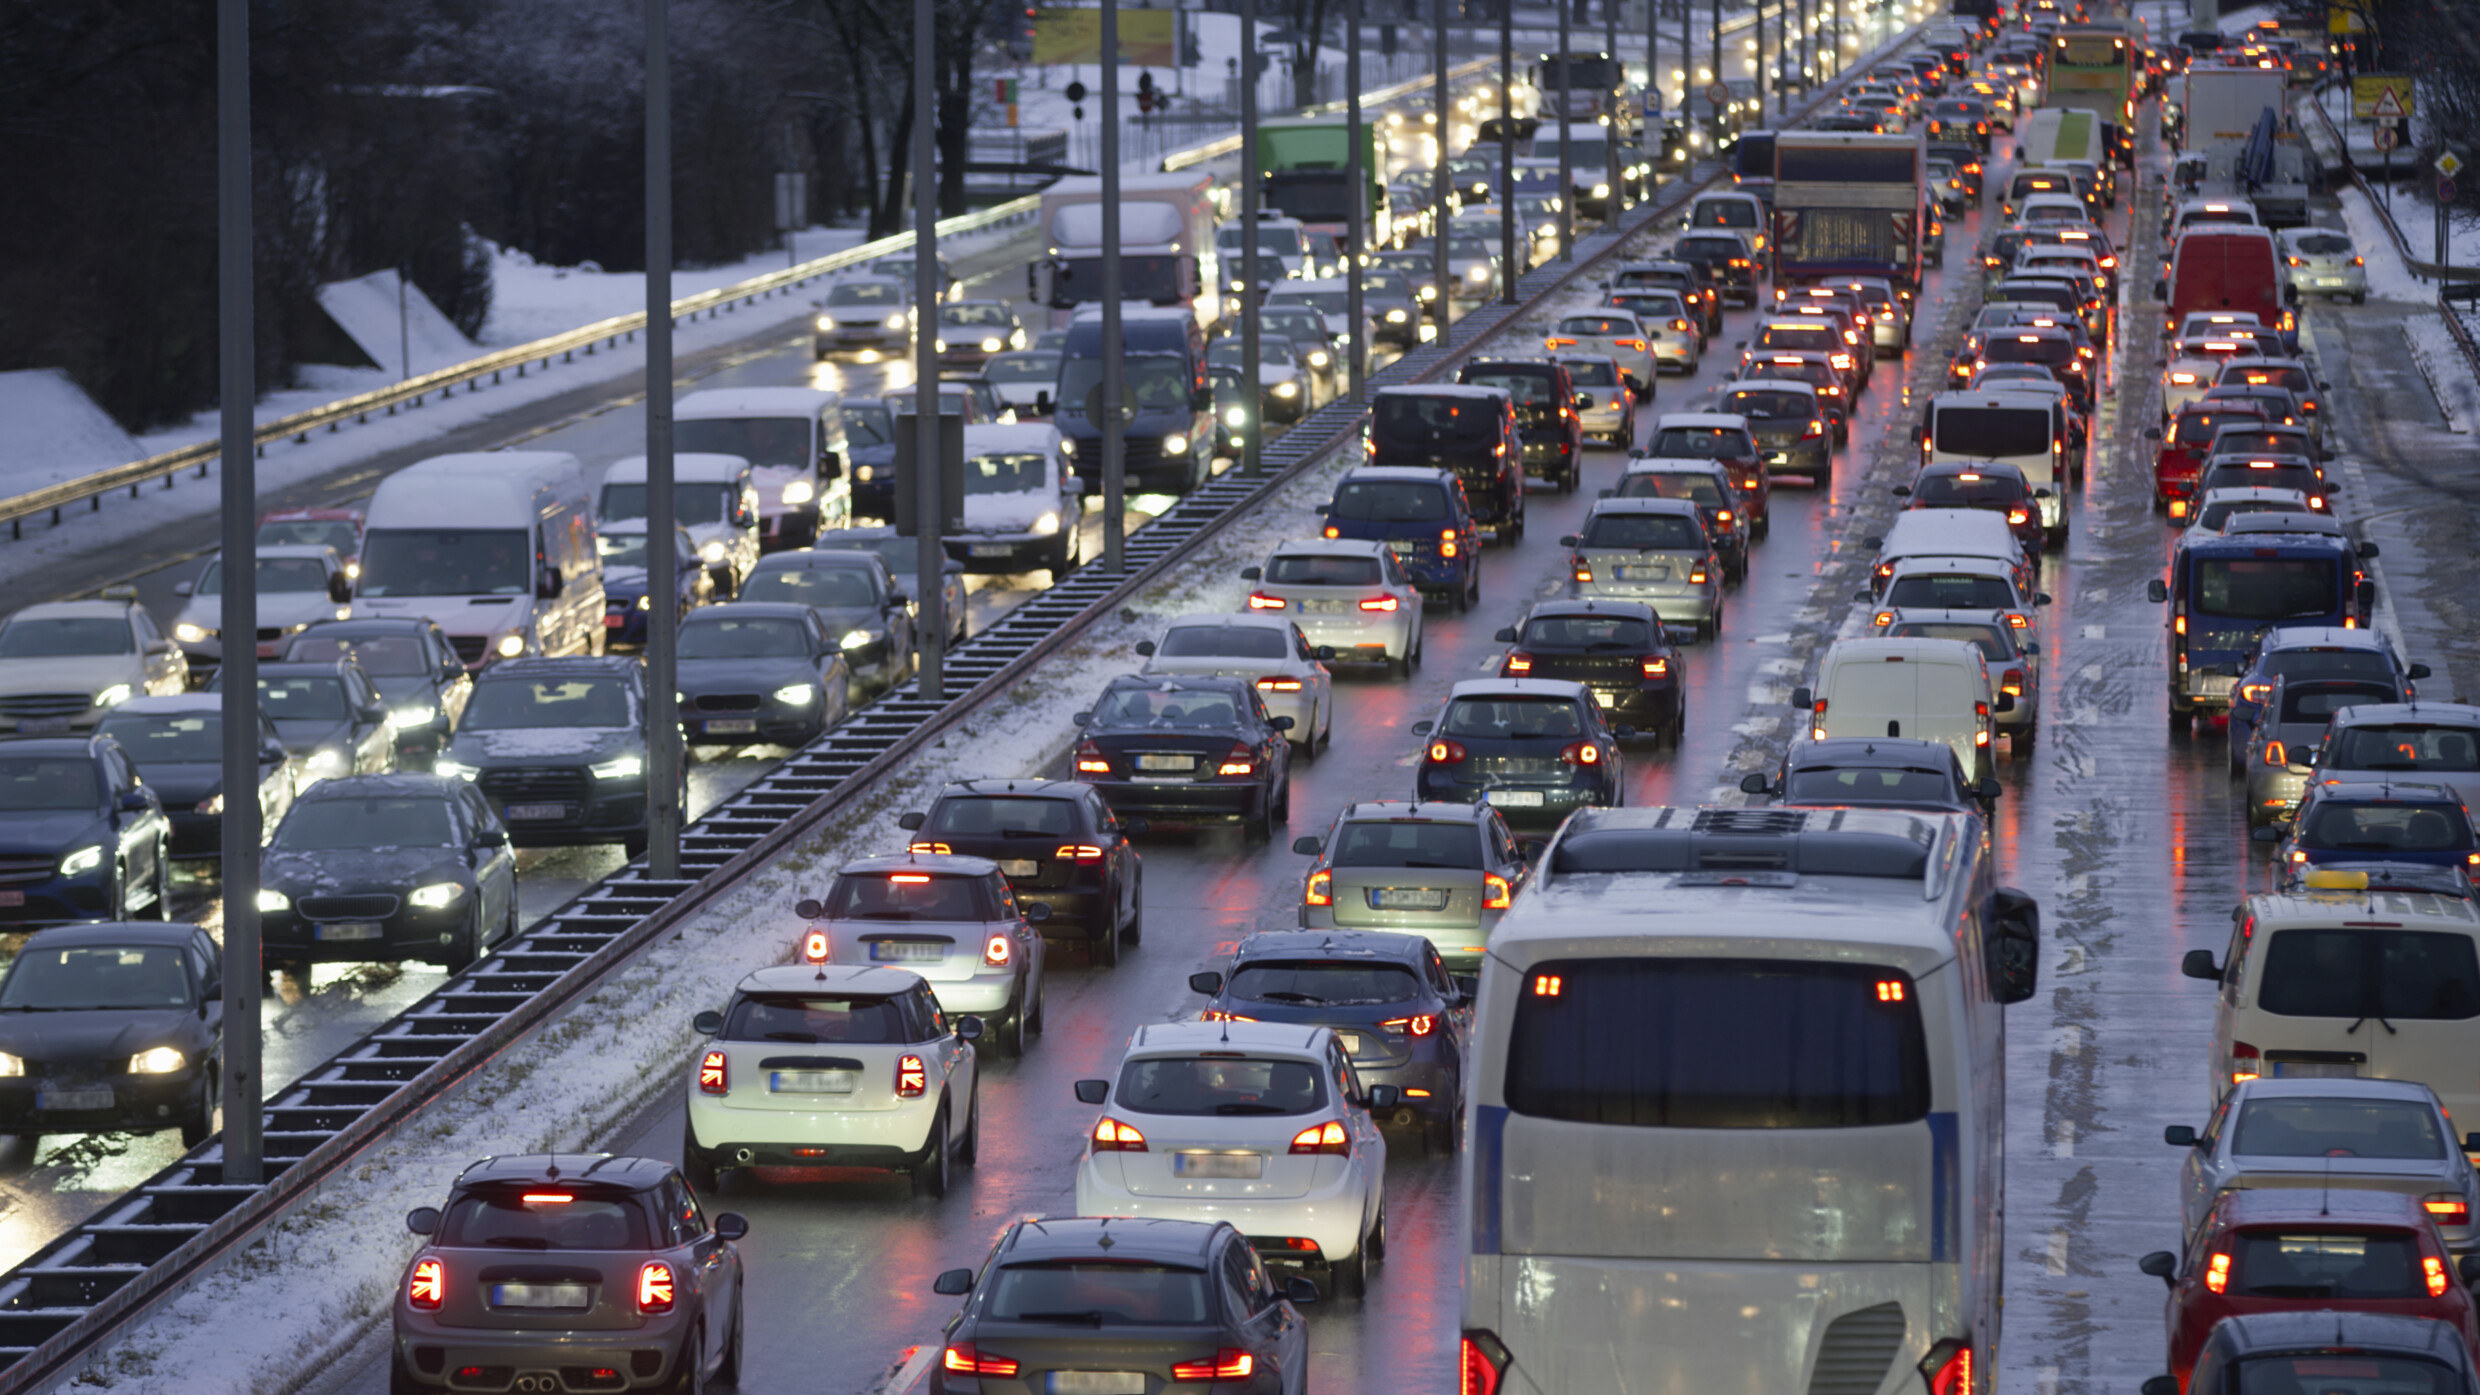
(2383, 97)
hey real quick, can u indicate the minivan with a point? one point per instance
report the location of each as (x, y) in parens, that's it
(793, 439)
(1168, 444)
(1927, 689)
(497, 546)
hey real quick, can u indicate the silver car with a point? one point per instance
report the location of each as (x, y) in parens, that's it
(1347, 594)
(1609, 410)
(2282, 744)
(1650, 550)
(2321, 261)
(1444, 871)
(954, 920)
(1267, 650)
(2433, 741)
(2317, 1126)
(864, 314)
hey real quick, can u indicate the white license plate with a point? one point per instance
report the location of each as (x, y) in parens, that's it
(1516, 799)
(2314, 1070)
(1406, 898)
(2333, 281)
(731, 726)
(1404, 548)
(1019, 867)
(993, 549)
(1322, 607)
(1242, 1166)
(12, 898)
(1166, 762)
(1641, 573)
(1097, 1383)
(906, 951)
(573, 1296)
(813, 1082)
(537, 811)
(349, 930)
(73, 1099)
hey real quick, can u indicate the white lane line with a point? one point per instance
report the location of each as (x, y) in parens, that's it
(2063, 1144)
(2094, 631)
(2068, 1042)
(2044, 1380)
(2057, 1262)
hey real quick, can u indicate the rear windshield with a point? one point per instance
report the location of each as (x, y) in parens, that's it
(1951, 591)
(544, 1217)
(2026, 348)
(1592, 372)
(1512, 717)
(1219, 1084)
(2259, 443)
(1657, 484)
(813, 1018)
(1407, 843)
(2403, 746)
(1316, 569)
(2345, 1375)
(1536, 389)
(1098, 1292)
(1724, 213)
(1869, 785)
(2327, 1264)
(1819, 336)
(1408, 417)
(1389, 501)
(1965, 490)
(1702, 442)
(1993, 642)
(1992, 433)
(1002, 816)
(2354, 973)
(2318, 703)
(827, 588)
(1770, 404)
(1222, 642)
(1195, 708)
(909, 896)
(1600, 325)
(2337, 1128)
(1718, 1044)
(1607, 632)
(1654, 532)
(1316, 983)
(2264, 588)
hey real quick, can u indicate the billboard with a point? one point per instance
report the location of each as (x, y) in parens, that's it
(1146, 37)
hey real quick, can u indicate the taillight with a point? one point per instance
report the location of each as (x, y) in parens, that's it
(1722, 515)
(1480, 1361)
(1447, 542)
(2359, 261)
(1321, 889)
(654, 1287)
(2012, 683)
(995, 953)
(2448, 1208)
(2433, 1270)
(1112, 1136)
(1077, 852)
(965, 1360)
(1385, 603)
(2275, 755)
(912, 1081)
(714, 1074)
(1420, 1026)
(2255, 692)
(1333, 532)
(1949, 1368)
(1090, 760)
(1259, 600)
(1445, 752)
(1580, 568)
(1329, 1137)
(1816, 429)
(1882, 619)
(1278, 685)
(2018, 516)
(1231, 1363)
(1654, 665)
(2245, 1062)
(1697, 577)
(1582, 753)
(1496, 894)
(428, 1288)
(1516, 664)
(1239, 760)
(2018, 621)
(2217, 1272)
(940, 848)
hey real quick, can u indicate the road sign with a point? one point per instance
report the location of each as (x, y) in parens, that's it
(2449, 164)
(2445, 188)
(1718, 94)
(2381, 97)
(2388, 138)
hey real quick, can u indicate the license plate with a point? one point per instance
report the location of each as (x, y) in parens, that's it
(73, 1099)
(813, 1082)
(1778, 457)
(613, 620)
(1019, 867)
(1406, 898)
(349, 930)
(2332, 281)
(12, 898)
(1158, 779)
(1516, 799)
(906, 951)
(1642, 573)
(1096, 1383)
(574, 1296)
(43, 726)
(1404, 549)
(2313, 1070)
(1322, 607)
(1166, 762)
(1244, 1166)
(537, 811)
(993, 549)
(731, 726)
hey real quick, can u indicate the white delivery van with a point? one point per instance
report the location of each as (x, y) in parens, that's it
(714, 497)
(498, 547)
(1926, 689)
(1736, 1107)
(793, 439)
(1976, 534)
(2023, 429)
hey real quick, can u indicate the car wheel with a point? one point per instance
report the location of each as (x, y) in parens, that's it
(195, 1131)
(1261, 828)
(1135, 929)
(1012, 1036)
(1441, 1137)
(462, 951)
(1106, 950)
(969, 1148)
(1400, 668)
(728, 1371)
(690, 1379)
(1351, 1276)
(162, 909)
(930, 1174)
(698, 1165)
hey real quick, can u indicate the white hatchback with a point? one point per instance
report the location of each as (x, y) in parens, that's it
(1267, 650)
(1349, 594)
(1616, 334)
(1258, 1124)
(953, 920)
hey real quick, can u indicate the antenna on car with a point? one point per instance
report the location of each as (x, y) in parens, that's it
(2325, 1196)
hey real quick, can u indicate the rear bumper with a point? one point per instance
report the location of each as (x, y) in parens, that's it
(1557, 801)
(897, 1137)
(1361, 641)
(645, 1356)
(1185, 800)
(1331, 1216)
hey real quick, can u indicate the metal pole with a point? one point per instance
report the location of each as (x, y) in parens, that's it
(1504, 185)
(930, 509)
(1251, 458)
(1609, 103)
(1567, 152)
(1687, 70)
(1356, 211)
(1114, 348)
(663, 746)
(1763, 87)
(241, 1086)
(404, 335)
(1716, 37)
(1445, 302)
(1649, 138)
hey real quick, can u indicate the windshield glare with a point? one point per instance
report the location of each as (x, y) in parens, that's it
(383, 656)
(34, 784)
(448, 561)
(166, 740)
(536, 703)
(354, 822)
(1218, 1086)
(1314, 983)
(1016, 472)
(1103, 1291)
(96, 978)
(725, 637)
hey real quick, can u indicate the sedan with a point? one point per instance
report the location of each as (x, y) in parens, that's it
(1618, 649)
(2381, 1135)
(1534, 749)
(1265, 650)
(409, 660)
(953, 920)
(387, 867)
(1262, 1125)
(296, 585)
(1347, 595)
(177, 745)
(112, 1026)
(1058, 845)
(857, 599)
(1188, 750)
(80, 837)
(1444, 872)
(758, 671)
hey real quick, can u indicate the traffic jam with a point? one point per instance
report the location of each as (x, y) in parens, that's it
(1571, 913)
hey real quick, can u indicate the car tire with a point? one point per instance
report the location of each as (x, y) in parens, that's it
(1011, 1038)
(196, 1131)
(1134, 931)
(690, 1378)
(930, 1174)
(1261, 828)
(728, 1371)
(969, 1148)
(1400, 668)
(162, 909)
(467, 947)
(1351, 1276)
(1441, 1137)
(1106, 950)
(698, 1165)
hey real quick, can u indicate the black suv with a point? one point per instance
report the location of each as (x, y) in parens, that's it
(1544, 393)
(80, 837)
(1470, 430)
(1058, 845)
(559, 749)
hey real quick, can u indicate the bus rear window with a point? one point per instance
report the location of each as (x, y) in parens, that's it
(1992, 433)
(1718, 1044)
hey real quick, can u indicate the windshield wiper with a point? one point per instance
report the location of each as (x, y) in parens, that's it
(2380, 1021)
(809, 1037)
(1091, 1317)
(518, 1242)
(1285, 995)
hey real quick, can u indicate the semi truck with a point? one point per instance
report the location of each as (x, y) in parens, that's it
(1304, 157)
(1166, 245)
(2238, 138)
(1850, 203)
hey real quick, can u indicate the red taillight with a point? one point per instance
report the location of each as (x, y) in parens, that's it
(1240, 760)
(1445, 752)
(2245, 1060)
(1278, 685)
(1112, 1136)
(1331, 530)
(963, 1359)
(1582, 753)
(1077, 852)
(2012, 683)
(1580, 568)
(714, 1074)
(1516, 664)
(1815, 429)
(1697, 577)
(1414, 1026)
(997, 950)
(1654, 665)
(1447, 542)
(2018, 515)
(1231, 1363)
(1385, 603)
(1480, 1363)
(2217, 1272)
(1953, 1374)
(2017, 621)
(1090, 760)
(2433, 1270)
(1722, 515)
(1259, 600)
(428, 1288)
(2448, 1208)
(940, 848)
(912, 1081)
(654, 1287)
(1328, 1137)
(1321, 889)
(1496, 894)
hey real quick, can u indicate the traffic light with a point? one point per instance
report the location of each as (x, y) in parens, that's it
(1148, 95)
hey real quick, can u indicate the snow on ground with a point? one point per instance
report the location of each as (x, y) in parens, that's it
(2449, 374)
(2388, 277)
(51, 431)
(531, 300)
(395, 323)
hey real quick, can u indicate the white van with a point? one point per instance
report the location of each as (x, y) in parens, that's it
(1926, 689)
(2024, 429)
(1736, 1107)
(715, 497)
(1023, 506)
(793, 439)
(1975, 534)
(498, 547)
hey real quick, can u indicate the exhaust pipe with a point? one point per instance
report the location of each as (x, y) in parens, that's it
(744, 1155)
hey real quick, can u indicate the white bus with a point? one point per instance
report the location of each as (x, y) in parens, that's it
(1736, 1110)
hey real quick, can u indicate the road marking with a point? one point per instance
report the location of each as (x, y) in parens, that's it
(2063, 1145)
(2073, 963)
(1757, 726)
(2057, 1261)
(2093, 631)
(2044, 1380)
(912, 1371)
(2068, 1042)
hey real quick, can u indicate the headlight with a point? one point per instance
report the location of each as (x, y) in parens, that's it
(271, 901)
(1047, 523)
(510, 646)
(864, 473)
(1478, 273)
(1287, 389)
(212, 804)
(938, 346)
(438, 896)
(454, 768)
(163, 1060)
(1395, 317)
(645, 603)
(325, 761)
(712, 551)
(1067, 446)
(992, 346)
(826, 322)
(113, 696)
(1175, 444)
(11, 1065)
(84, 860)
(799, 492)
(620, 768)
(188, 633)
(895, 321)
(796, 694)
(1235, 416)
(859, 639)
(416, 714)
(1601, 191)
(1319, 358)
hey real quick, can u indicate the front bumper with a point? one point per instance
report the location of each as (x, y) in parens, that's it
(409, 933)
(644, 1356)
(765, 721)
(31, 1103)
(55, 898)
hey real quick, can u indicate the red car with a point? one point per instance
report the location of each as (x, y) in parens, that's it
(340, 529)
(2180, 459)
(2290, 1249)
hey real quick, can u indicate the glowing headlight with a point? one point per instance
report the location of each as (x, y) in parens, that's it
(712, 551)
(113, 696)
(826, 322)
(269, 901)
(799, 492)
(85, 859)
(1067, 446)
(895, 321)
(796, 694)
(1319, 358)
(163, 1060)
(325, 762)
(1478, 273)
(438, 896)
(1047, 523)
(859, 639)
(1175, 444)
(1601, 191)
(510, 646)
(416, 714)
(212, 804)
(11, 1065)
(864, 473)
(1395, 317)
(188, 633)
(1287, 389)
(619, 768)
(645, 603)
(455, 769)
(992, 346)
(938, 346)
(1235, 416)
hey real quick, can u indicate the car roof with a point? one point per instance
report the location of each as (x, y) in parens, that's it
(1876, 751)
(939, 864)
(393, 783)
(1485, 688)
(1575, 605)
(1421, 474)
(2384, 792)
(1728, 419)
(372, 625)
(1684, 507)
(74, 610)
(60, 745)
(2326, 637)
(1370, 944)
(748, 610)
(1677, 464)
(1476, 391)
(754, 401)
(111, 932)
(609, 667)
(1037, 437)
(2442, 713)
(1327, 547)
(1411, 811)
(2360, 1087)
(1165, 1038)
(1946, 615)
(577, 1169)
(688, 467)
(1179, 683)
(1229, 620)
(1122, 1238)
(2322, 1329)
(829, 978)
(1022, 787)
(818, 559)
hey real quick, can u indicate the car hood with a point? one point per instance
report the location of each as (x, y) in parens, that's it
(523, 745)
(623, 583)
(458, 615)
(73, 674)
(743, 675)
(50, 831)
(1008, 513)
(279, 609)
(83, 1036)
(391, 870)
(404, 688)
(301, 736)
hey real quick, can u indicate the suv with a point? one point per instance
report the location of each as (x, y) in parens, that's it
(1544, 393)
(1057, 844)
(64, 662)
(559, 749)
(80, 838)
(1726, 258)
(1470, 430)
(1468, 865)
(1535, 747)
(1422, 517)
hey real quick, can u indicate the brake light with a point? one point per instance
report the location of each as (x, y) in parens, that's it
(1090, 760)
(428, 1288)
(940, 848)
(1496, 895)
(1278, 685)
(815, 947)
(1953, 1375)
(654, 1287)
(1445, 752)
(912, 1081)
(2217, 1272)
(2244, 1062)
(1259, 600)
(1077, 852)
(2448, 1208)
(1981, 711)
(2016, 620)
(1385, 603)
(1582, 569)
(2359, 261)
(909, 878)
(1240, 760)
(2275, 755)
(1697, 577)
(2012, 682)
(996, 952)
(965, 1360)
(714, 1073)
(1333, 532)
(2018, 516)
(1328, 1138)
(1816, 428)
(1230, 1363)
(1447, 542)
(1412, 1026)
(1516, 664)
(1882, 619)
(1654, 665)
(1582, 753)
(1321, 889)
(1556, 342)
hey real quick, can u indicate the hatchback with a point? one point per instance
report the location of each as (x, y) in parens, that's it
(1882, 772)
(1994, 485)
(2322, 261)
(2438, 742)
(1651, 550)
(1795, 426)
(1618, 649)
(2311, 651)
(1724, 437)
(2282, 742)
(951, 919)
(1613, 334)
(1706, 483)
(1058, 845)
(1534, 749)
(2388, 821)
(1443, 871)
(1607, 409)
(1349, 596)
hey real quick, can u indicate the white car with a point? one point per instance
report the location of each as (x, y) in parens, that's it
(2213, 512)
(1255, 1123)
(715, 497)
(1022, 502)
(1614, 334)
(833, 1066)
(297, 585)
(2195, 366)
(1347, 594)
(1024, 379)
(2322, 261)
(953, 920)
(1266, 649)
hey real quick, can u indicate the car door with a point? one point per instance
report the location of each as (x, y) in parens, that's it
(495, 863)
(1321, 681)
(713, 1259)
(2202, 1171)
(1265, 1326)
(166, 670)
(141, 831)
(374, 739)
(958, 1062)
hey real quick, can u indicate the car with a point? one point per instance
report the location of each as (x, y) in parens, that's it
(865, 314)
(971, 398)
(1608, 410)
(1652, 550)
(714, 497)
(628, 599)
(1725, 437)
(1022, 377)
(2282, 744)
(339, 530)
(2270, 472)
(2378, 821)
(1545, 402)
(2295, 1350)
(1469, 430)
(1420, 269)
(2054, 349)
(902, 555)
(2327, 1250)
(1265, 649)
(2437, 742)
(112, 1027)
(409, 659)
(1997, 486)
(64, 663)
(2006, 643)
(1687, 278)
(869, 440)
(330, 716)
(895, 1084)
(1674, 324)
(2383, 1135)
(1531, 748)
(1887, 310)
(1388, 998)
(1804, 334)
(1618, 649)
(1813, 368)
(2194, 367)
(2214, 513)
(1284, 390)
(1891, 772)
(1235, 412)
(1393, 303)
(1305, 326)
(972, 332)
(2265, 371)
(1612, 334)
(1347, 595)
(1705, 482)
(1276, 1105)
(1421, 515)
(1170, 1301)
(1725, 257)
(858, 600)
(558, 748)
(622, 1273)
(1093, 881)
(2185, 439)
(1466, 866)
(2322, 261)
(1024, 506)
(175, 744)
(1843, 310)
(951, 919)
(753, 672)
(387, 867)
(1796, 428)
(1330, 299)
(1175, 750)
(81, 836)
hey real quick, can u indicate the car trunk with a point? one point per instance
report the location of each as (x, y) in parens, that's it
(1406, 898)
(1165, 757)
(1093, 1353)
(1237, 1157)
(942, 952)
(800, 1078)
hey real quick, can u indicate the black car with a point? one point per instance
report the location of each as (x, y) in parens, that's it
(870, 438)
(112, 1026)
(1470, 430)
(1883, 772)
(1389, 998)
(1687, 278)
(903, 558)
(1534, 749)
(858, 600)
(177, 745)
(1058, 844)
(329, 716)
(1725, 259)
(2320, 1349)
(80, 837)
(1544, 393)
(1967, 162)
(760, 671)
(558, 747)
(1188, 750)
(387, 867)
(410, 660)
(1168, 1302)
(1991, 485)
(1618, 649)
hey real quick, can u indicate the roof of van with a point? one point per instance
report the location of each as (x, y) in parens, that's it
(2327, 907)
(1084, 184)
(1991, 397)
(504, 464)
(753, 402)
(491, 489)
(1471, 391)
(1910, 649)
(1017, 436)
(693, 467)
(1668, 420)
(1141, 313)
(1950, 532)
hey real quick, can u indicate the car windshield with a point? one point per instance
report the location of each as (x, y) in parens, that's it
(382, 656)
(1219, 1084)
(542, 1216)
(1769, 405)
(781, 442)
(1026, 367)
(2337, 1128)
(1323, 302)
(821, 588)
(319, 698)
(65, 637)
(865, 293)
(1098, 1292)
(1951, 591)
(34, 784)
(1324, 983)
(983, 315)
(1153, 382)
(1702, 442)
(2388, 827)
(1415, 416)
(1645, 532)
(813, 1018)
(448, 561)
(1389, 501)
(910, 896)
(504, 704)
(1321, 569)
(872, 426)
(1407, 843)
(1993, 642)
(1173, 707)
(1002, 816)
(152, 740)
(712, 636)
(352, 822)
(1008, 472)
(1527, 389)
(1506, 718)
(83, 978)
(692, 503)
(275, 574)
(1611, 633)
(1223, 641)
(2361, 972)
(619, 550)
(2327, 1264)
(2260, 589)
(1869, 784)
(342, 534)
(1670, 484)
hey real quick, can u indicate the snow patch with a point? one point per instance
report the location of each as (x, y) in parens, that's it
(2388, 278)
(395, 323)
(2449, 374)
(51, 431)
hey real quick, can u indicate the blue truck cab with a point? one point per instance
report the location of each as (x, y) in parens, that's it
(2224, 592)
(1422, 516)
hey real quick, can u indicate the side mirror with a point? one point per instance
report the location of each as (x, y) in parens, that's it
(1532, 848)
(1280, 723)
(1872, 542)
(1041, 400)
(2152, 433)
(134, 802)
(1505, 635)
(1755, 783)
(1322, 508)
(183, 588)
(373, 713)
(1802, 697)
(1902, 491)
(2161, 290)
(2470, 1269)
(1092, 1091)
(911, 820)
(1208, 983)
(1423, 728)
(730, 1225)
(1467, 988)
(2162, 1265)
(955, 1283)
(2040, 494)
(2365, 593)
(2155, 591)
(809, 908)
(2040, 598)
(1252, 573)
(2417, 671)
(492, 839)
(1384, 1096)
(2179, 1136)
(1202, 400)
(1300, 1291)
(1036, 913)
(969, 1028)
(1864, 595)
(2199, 963)
(1135, 828)
(1987, 787)
(1325, 651)
(551, 585)
(1584, 400)
(339, 588)
(2030, 646)
(1081, 718)
(423, 1220)
(2267, 834)
(2002, 703)
(2014, 946)
(1308, 846)
(707, 1023)
(1145, 648)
